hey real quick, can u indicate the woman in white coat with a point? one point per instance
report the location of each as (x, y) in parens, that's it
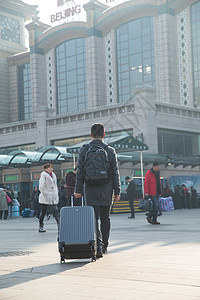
(3, 202)
(48, 195)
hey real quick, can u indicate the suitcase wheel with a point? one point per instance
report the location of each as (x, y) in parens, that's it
(62, 260)
(94, 258)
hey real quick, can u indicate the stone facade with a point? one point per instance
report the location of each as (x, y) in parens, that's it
(165, 106)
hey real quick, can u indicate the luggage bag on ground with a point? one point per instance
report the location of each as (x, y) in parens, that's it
(26, 213)
(15, 211)
(166, 204)
(77, 233)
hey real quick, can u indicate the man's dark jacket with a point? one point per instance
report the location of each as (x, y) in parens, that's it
(99, 194)
(70, 183)
(131, 190)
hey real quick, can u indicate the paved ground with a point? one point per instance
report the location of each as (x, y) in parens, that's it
(144, 261)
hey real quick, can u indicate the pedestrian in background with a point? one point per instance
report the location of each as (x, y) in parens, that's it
(131, 194)
(177, 197)
(194, 202)
(11, 197)
(70, 184)
(181, 194)
(9, 204)
(152, 190)
(62, 194)
(185, 196)
(167, 192)
(35, 201)
(3, 203)
(48, 195)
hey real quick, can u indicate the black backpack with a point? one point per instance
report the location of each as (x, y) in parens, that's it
(97, 165)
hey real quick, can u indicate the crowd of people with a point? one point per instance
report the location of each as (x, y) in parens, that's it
(6, 200)
(65, 192)
(97, 178)
(183, 197)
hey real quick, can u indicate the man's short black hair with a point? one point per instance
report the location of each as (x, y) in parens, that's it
(127, 177)
(97, 130)
(155, 163)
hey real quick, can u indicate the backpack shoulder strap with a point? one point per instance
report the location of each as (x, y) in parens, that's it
(85, 147)
(104, 146)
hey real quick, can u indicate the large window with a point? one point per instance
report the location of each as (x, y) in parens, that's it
(7, 150)
(178, 142)
(195, 17)
(24, 92)
(135, 56)
(76, 140)
(71, 76)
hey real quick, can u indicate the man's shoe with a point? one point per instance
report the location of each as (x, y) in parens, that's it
(48, 217)
(105, 250)
(149, 220)
(41, 229)
(99, 251)
(99, 254)
(155, 223)
(131, 217)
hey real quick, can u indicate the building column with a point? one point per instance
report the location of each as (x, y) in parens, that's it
(145, 116)
(4, 88)
(96, 88)
(95, 54)
(41, 140)
(167, 54)
(38, 81)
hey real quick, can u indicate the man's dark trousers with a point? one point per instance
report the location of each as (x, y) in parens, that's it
(154, 212)
(102, 214)
(131, 204)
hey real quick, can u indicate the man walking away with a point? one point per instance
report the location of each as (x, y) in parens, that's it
(152, 189)
(98, 173)
(131, 194)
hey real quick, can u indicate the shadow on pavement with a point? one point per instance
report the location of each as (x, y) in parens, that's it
(29, 274)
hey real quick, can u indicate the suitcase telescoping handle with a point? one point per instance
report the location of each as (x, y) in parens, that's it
(72, 200)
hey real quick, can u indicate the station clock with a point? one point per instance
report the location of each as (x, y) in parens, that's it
(10, 29)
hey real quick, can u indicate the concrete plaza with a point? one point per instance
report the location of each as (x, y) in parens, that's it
(144, 261)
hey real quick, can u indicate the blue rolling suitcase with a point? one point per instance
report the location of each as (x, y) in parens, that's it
(77, 233)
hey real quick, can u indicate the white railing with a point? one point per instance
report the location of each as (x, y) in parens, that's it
(17, 126)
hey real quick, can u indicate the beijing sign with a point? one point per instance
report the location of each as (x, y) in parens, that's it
(72, 10)
(68, 11)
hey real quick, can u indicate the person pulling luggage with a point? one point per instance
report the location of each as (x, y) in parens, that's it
(152, 190)
(98, 173)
